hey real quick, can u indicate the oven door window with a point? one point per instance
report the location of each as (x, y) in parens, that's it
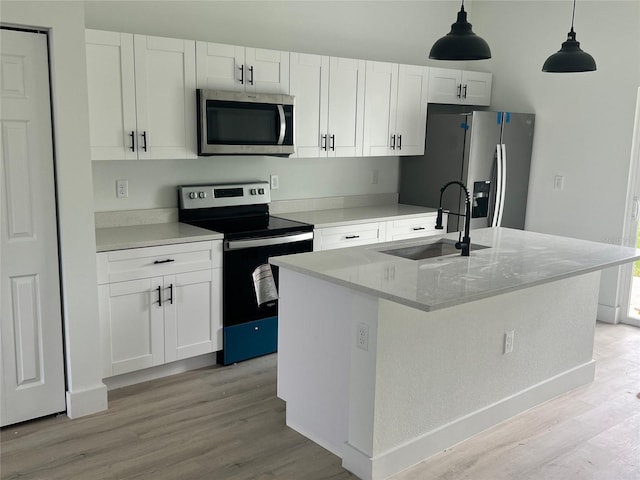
(239, 297)
(246, 123)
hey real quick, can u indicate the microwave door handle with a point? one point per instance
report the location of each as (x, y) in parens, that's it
(283, 125)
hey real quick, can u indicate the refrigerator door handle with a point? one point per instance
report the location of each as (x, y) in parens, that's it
(503, 186)
(496, 205)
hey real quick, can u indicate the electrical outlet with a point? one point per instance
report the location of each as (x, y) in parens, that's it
(558, 182)
(275, 182)
(362, 340)
(122, 188)
(508, 341)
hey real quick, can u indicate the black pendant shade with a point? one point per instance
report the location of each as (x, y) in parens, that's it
(460, 43)
(570, 58)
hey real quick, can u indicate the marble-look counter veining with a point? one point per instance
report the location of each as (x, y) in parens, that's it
(515, 260)
(349, 216)
(136, 236)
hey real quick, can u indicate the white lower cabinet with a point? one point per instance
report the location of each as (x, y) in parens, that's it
(159, 304)
(328, 238)
(415, 227)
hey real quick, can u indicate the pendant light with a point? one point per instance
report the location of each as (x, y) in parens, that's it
(570, 58)
(460, 43)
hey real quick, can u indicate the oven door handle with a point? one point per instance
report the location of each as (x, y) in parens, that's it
(267, 241)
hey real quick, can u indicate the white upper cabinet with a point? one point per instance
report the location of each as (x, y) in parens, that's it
(461, 87)
(141, 96)
(112, 95)
(395, 109)
(329, 95)
(240, 69)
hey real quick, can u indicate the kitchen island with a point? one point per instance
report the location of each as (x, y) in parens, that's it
(385, 360)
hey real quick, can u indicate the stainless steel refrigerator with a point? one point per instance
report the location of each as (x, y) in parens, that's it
(490, 152)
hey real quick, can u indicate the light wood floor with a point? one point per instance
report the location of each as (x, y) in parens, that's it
(227, 424)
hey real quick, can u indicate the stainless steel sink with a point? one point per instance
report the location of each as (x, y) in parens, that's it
(430, 250)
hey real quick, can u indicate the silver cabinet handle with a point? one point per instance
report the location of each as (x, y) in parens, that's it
(241, 67)
(393, 141)
(399, 142)
(459, 94)
(251, 77)
(323, 142)
(351, 237)
(418, 228)
(332, 145)
(464, 94)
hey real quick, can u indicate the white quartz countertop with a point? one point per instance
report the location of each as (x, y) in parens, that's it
(515, 260)
(349, 216)
(136, 236)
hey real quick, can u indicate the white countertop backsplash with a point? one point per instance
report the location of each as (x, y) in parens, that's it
(516, 260)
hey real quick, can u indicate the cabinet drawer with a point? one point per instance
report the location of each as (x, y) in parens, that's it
(350, 235)
(123, 265)
(413, 228)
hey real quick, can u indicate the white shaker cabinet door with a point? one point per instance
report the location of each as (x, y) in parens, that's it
(267, 71)
(381, 92)
(445, 85)
(132, 325)
(309, 83)
(346, 107)
(193, 321)
(165, 97)
(476, 88)
(112, 102)
(220, 67)
(411, 112)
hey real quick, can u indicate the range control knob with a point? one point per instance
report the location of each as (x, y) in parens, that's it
(202, 194)
(252, 191)
(261, 191)
(192, 195)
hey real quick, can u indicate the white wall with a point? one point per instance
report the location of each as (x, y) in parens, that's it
(65, 21)
(584, 121)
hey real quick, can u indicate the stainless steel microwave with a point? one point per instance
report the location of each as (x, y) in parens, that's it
(238, 123)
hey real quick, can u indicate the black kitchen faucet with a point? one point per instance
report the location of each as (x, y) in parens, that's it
(465, 243)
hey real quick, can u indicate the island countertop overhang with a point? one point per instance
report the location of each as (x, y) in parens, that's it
(514, 260)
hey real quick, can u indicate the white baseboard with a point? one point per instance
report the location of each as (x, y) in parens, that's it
(608, 313)
(419, 449)
(326, 445)
(86, 402)
(160, 371)
(631, 321)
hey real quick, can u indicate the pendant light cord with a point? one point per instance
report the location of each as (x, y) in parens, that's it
(573, 14)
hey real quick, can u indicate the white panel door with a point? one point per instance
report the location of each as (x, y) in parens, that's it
(165, 97)
(32, 365)
(267, 71)
(380, 108)
(411, 120)
(220, 67)
(193, 322)
(112, 102)
(309, 83)
(346, 107)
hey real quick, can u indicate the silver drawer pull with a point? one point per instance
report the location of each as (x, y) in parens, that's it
(164, 261)
(350, 237)
(418, 228)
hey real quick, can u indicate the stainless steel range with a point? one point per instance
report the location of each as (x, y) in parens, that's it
(240, 211)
